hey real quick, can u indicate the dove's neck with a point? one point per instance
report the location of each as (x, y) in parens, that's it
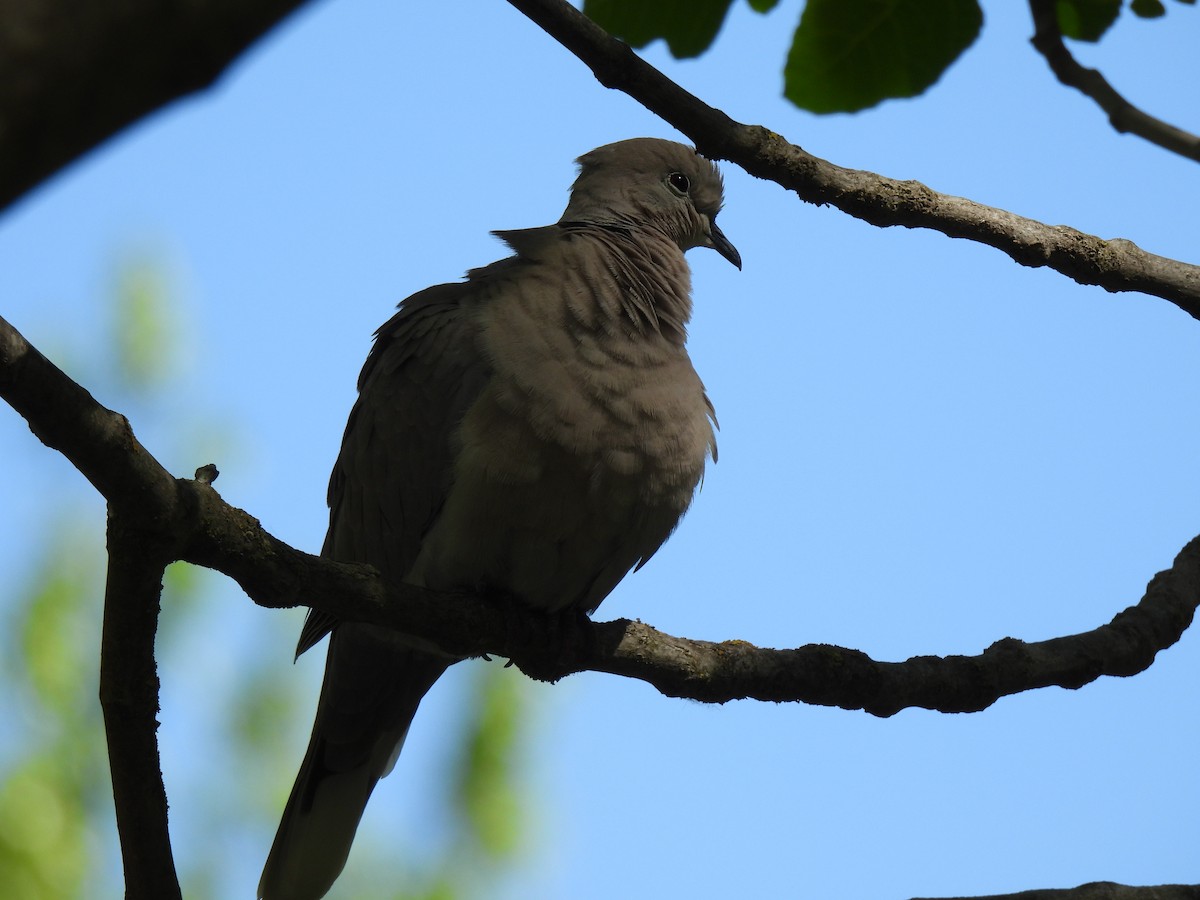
(653, 284)
(619, 277)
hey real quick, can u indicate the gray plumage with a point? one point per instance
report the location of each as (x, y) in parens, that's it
(536, 430)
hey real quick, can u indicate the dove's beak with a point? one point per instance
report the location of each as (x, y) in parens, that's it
(720, 243)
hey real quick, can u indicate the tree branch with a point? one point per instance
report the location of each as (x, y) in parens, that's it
(74, 74)
(1100, 890)
(144, 513)
(71, 75)
(469, 625)
(1122, 115)
(193, 523)
(129, 698)
(1115, 265)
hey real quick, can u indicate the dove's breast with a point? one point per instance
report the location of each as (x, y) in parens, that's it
(580, 455)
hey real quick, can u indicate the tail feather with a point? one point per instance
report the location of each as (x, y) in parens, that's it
(371, 692)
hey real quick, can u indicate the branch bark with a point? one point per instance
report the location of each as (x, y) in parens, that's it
(129, 698)
(1115, 265)
(71, 76)
(470, 625)
(1122, 115)
(190, 517)
(1099, 890)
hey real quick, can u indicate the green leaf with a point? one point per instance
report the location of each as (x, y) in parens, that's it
(1086, 20)
(1148, 9)
(848, 55)
(763, 6)
(688, 26)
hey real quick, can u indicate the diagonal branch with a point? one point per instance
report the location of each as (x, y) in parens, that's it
(1115, 265)
(1122, 115)
(193, 523)
(72, 75)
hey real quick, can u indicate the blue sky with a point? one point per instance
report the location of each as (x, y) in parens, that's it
(924, 446)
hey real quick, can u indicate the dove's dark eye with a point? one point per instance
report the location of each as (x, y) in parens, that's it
(679, 181)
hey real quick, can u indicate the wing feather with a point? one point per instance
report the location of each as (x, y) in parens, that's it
(396, 462)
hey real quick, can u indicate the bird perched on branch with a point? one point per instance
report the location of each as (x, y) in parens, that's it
(535, 431)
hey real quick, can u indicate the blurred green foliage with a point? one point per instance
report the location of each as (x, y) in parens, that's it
(49, 791)
(145, 346)
(57, 833)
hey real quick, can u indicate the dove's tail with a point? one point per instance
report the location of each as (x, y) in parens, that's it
(371, 692)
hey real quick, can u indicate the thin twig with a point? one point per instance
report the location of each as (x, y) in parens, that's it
(1122, 115)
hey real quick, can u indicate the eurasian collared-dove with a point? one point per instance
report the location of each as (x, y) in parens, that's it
(536, 431)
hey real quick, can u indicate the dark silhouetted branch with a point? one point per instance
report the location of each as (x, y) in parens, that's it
(74, 74)
(1099, 890)
(1122, 115)
(129, 698)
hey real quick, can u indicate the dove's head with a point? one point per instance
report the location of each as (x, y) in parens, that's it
(647, 182)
